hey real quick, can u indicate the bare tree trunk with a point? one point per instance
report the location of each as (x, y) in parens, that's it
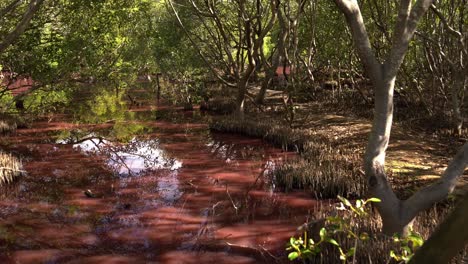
(240, 101)
(455, 88)
(158, 87)
(276, 61)
(396, 214)
(242, 86)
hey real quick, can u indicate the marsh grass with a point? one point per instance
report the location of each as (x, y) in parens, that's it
(287, 138)
(220, 105)
(10, 168)
(322, 168)
(7, 125)
(326, 175)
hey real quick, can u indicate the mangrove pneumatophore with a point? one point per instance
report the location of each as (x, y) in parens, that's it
(10, 168)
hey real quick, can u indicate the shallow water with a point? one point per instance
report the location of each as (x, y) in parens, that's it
(174, 193)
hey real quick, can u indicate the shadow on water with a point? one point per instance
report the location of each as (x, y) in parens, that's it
(164, 190)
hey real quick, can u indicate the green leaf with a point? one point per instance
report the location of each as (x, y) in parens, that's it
(351, 252)
(323, 233)
(374, 200)
(406, 250)
(294, 243)
(394, 256)
(311, 241)
(292, 240)
(345, 201)
(293, 255)
(358, 203)
(333, 241)
(407, 258)
(416, 239)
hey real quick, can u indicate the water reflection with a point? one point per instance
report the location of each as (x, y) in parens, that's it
(233, 150)
(211, 202)
(168, 188)
(130, 159)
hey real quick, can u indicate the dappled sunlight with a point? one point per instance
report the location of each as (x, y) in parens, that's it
(178, 188)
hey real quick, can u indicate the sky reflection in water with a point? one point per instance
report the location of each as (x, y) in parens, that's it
(133, 158)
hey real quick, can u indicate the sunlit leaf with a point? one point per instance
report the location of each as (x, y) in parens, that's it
(358, 203)
(374, 200)
(293, 255)
(323, 233)
(333, 241)
(345, 201)
(416, 239)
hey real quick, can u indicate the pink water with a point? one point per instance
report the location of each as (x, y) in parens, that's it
(203, 198)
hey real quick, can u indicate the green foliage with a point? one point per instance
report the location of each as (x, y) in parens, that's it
(6, 102)
(45, 101)
(337, 227)
(82, 40)
(105, 106)
(125, 131)
(334, 225)
(407, 245)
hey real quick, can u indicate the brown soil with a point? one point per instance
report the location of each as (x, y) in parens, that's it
(414, 157)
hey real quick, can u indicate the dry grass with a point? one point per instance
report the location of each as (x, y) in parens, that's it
(10, 168)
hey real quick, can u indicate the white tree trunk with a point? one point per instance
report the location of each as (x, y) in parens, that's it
(396, 214)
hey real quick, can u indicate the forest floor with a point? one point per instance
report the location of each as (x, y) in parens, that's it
(415, 156)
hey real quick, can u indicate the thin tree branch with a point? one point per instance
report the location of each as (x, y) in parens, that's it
(9, 8)
(213, 70)
(352, 12)
(426, 197)
(33, 7)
